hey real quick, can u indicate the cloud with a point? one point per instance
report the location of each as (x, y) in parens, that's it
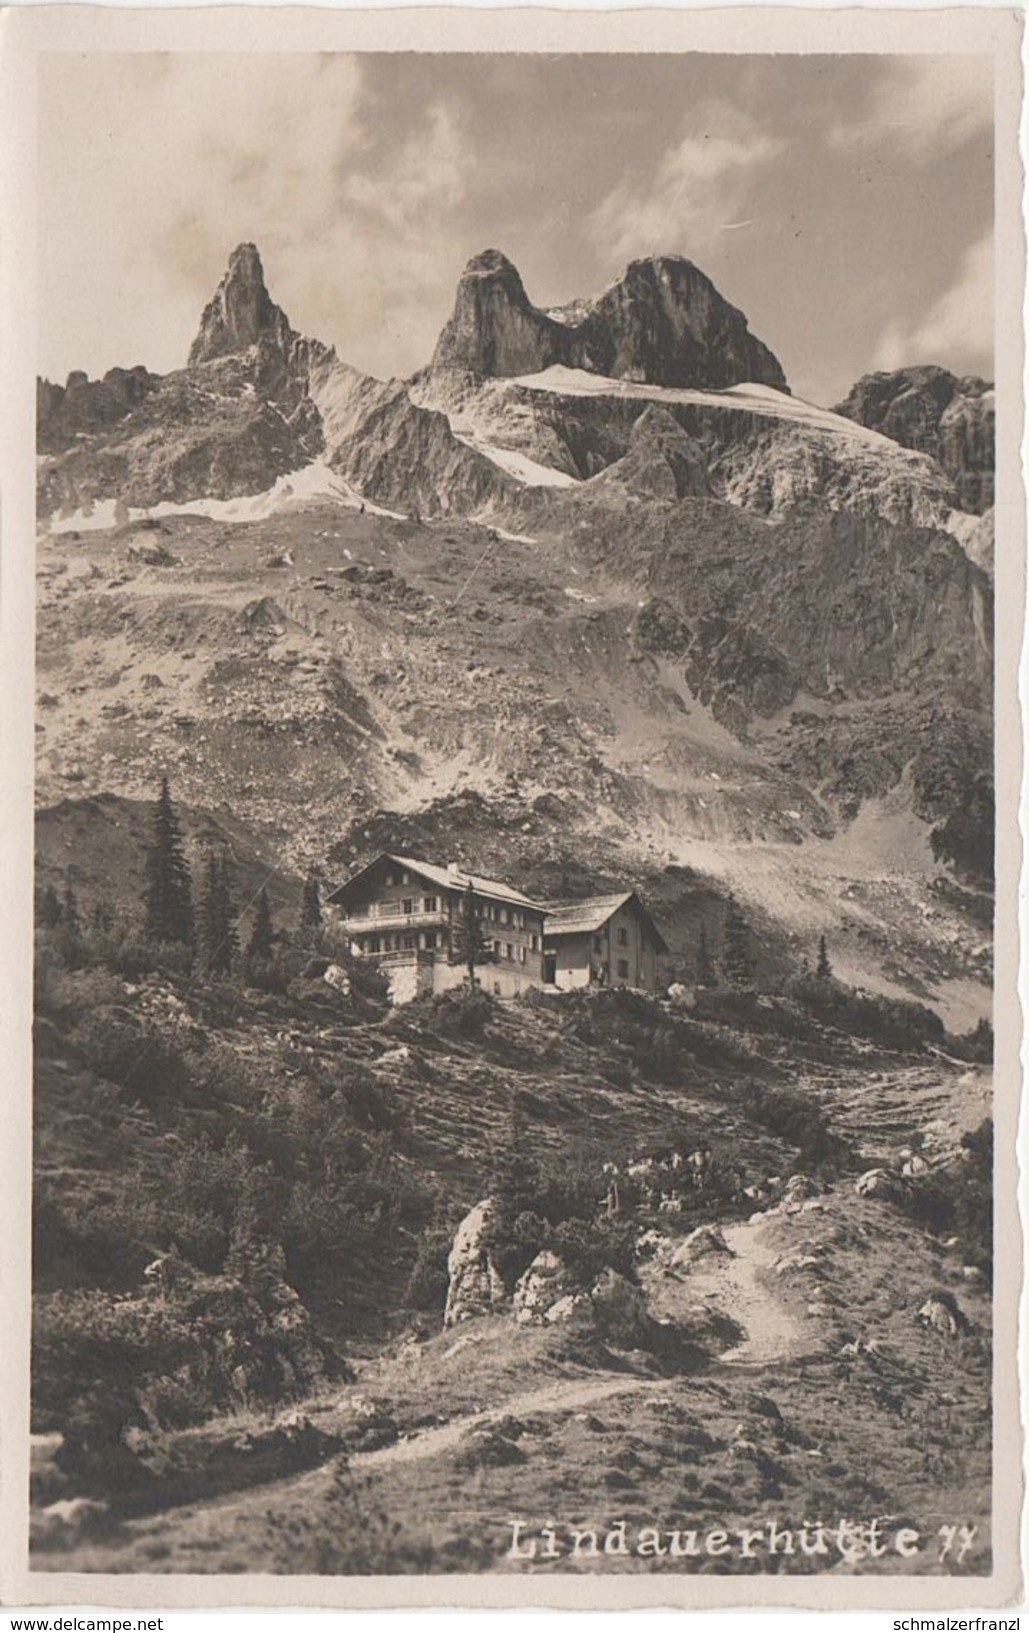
(922, 107)
(699, 189)
(957, 331)
(397, 229)
(156, 167)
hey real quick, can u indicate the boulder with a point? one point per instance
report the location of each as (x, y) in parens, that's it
(621, 1312)
(799, 1187)
(65, 1522)
(476, 1286)
(706, 1239)
(942, 1314)
(150, 554)
(336, 976)
(368, 1424)
(879, 1182)
(487, 1448)
(547, 1291)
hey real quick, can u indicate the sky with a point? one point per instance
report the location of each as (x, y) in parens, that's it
(844, 203)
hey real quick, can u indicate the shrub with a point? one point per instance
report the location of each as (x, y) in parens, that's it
(798, 1119)
(896, 1023)
(428, 1281)
(125, 1049)
(959, 1198)
(462, 1013)
(100, 1363)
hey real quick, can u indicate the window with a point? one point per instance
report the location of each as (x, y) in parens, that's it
(373, 944)
(623, 936)
(598, 944)
(534, 943)
(408, 943)
(496, 988)
(510, 953)
(521, 955)
(623, 969)
(503, 915)
(408, 904)
(430, 940)
(405, 879)
(429, 904)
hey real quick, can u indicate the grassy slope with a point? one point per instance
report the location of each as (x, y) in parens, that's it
(597, 1436)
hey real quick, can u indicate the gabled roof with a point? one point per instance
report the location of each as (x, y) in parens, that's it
(588, 916)
(442, 877)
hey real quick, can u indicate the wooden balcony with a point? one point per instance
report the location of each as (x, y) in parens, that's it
(363, 924)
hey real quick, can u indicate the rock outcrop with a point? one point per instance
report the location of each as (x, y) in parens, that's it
(967, 448)
(551, 1292)
(937, 413)
(941, 1313)
(476, 1286)
(84, 407)
(663, 322)
(231, 423)
(663, 461)
(548, 1291)
(398, 454)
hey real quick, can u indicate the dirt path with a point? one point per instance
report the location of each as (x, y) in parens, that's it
(741, 1285)
(558, 1398)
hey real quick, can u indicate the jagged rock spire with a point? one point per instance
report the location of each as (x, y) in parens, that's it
(241, 313)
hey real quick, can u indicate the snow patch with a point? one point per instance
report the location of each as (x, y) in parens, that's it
(520, 466)
(748, 397)
(514, 538)
(311, 482)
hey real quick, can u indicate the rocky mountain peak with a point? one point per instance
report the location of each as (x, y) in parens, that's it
(241, 312)
(937, 413)
(495, 330)
(663, 322)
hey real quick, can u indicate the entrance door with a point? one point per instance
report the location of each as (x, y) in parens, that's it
(550, 968)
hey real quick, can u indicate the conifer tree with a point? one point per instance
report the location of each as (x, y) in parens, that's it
(168, 897)
(217, 940)
(473, 945)
(70, 912)
(737, 964)
(823, 969)
(311, 904)
(706, 975)
(262, 934)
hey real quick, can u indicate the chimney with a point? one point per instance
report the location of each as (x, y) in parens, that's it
(453, 869)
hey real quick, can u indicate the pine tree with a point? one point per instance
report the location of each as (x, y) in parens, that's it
(262, 934)
(217, 940)
(823, 969)
(168, 897)
(473, 945)
(737, 964)
(311, 905)
(706, 976)
(70, 912)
